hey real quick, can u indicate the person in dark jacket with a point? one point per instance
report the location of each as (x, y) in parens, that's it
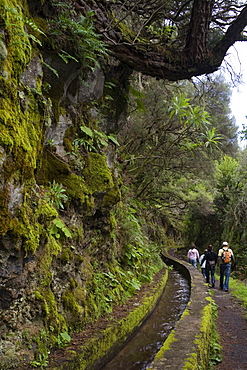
(211, 261)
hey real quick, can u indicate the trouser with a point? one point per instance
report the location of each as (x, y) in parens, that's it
(204, 272)
(193, 262)
(210, 270)
(225, 270)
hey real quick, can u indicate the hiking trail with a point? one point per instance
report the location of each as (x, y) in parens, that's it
(232, 327)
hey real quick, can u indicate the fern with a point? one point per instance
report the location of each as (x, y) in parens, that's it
(80, 31)
(17, 16)
(52, 69)
(66, 57)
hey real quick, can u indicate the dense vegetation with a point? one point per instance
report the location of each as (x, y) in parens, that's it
(102, 166)
(180, 157)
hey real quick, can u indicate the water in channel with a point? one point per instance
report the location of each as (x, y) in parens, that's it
(139, 351)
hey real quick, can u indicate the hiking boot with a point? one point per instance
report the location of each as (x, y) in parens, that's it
(212, 285)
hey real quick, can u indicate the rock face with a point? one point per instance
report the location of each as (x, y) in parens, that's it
(57, 194)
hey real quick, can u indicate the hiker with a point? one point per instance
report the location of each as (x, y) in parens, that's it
(202, 262)
(193, 255)
(225, 259)
(211, 261)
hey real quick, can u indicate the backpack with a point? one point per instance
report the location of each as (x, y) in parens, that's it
(226, 256)
(211, 263)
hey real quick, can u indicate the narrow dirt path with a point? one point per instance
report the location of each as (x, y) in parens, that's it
(232, 327)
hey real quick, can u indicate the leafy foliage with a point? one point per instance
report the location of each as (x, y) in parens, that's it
(78, 30)
(170, 154)
(93, 140)
(215, 348)
(57, 227)
(41, 362)
(57, 195)
(136, 261)
(63, 339)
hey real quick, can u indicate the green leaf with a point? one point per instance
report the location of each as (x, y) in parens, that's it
(58, 223)
(65, 336)
(87, 131)
(52, 69)
(65, 56)
(66, 232)
(113, 138)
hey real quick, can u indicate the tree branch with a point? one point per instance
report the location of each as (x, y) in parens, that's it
(232, 35)
(189, 55)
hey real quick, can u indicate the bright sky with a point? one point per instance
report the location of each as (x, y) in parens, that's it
(237, 58)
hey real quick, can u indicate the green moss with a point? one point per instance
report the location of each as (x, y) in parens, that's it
(126, 31)
(191, 363)
(67, 144)
(73, 283)
(5, 217)
(112, 197)
(76, 188)
(99, 179)
(75, 309)
(20, 133)
(53, 168)
(27, 229)
(200, 358)
(97, 175)
(38, 296)
(166, 346)
(54, 324)
(50, 250)
(114, 336)
(66, 255)
(80, 295)
(204, 338)
(53, 319)
(3, 53)
(45, 212)
(79, 258)
(19, 47)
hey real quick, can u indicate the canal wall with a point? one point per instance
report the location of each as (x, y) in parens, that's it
(91, 355)
(188, 344)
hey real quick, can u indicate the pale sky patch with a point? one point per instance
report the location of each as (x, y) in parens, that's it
(237, 58)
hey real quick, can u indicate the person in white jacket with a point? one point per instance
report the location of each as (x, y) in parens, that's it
(203, 264)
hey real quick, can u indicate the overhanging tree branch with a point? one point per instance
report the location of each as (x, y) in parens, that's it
(232, 35)
(192, 52)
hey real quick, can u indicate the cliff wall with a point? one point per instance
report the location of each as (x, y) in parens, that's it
(69, 246)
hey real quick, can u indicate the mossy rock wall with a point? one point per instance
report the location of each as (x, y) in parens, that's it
(61, 262)
(105, 343)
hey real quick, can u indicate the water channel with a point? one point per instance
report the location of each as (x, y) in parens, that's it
(140, 350)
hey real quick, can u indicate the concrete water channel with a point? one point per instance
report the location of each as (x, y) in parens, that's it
(140, 350)
(178, 341)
